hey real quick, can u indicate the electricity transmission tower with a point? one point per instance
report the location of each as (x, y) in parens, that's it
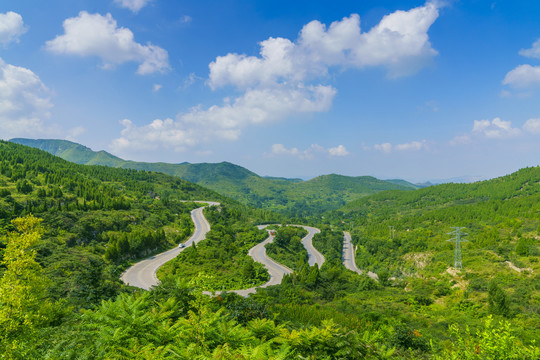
(457, 245)
(392, 232)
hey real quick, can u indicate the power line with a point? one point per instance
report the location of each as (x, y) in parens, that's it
(457, 245)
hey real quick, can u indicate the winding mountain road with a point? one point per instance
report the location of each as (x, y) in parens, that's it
(348, 257)
(275, 269)
(314, 256)
(143, 274)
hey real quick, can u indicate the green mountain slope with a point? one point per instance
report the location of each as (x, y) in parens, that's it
(291, 196)
(103, 215)
(405, 183)
(95, 218)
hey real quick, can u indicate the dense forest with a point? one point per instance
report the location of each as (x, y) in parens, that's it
(68, 231)
(292, 197)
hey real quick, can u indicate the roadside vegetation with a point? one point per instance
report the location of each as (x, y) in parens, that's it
(222, 258)
(287, 248)
(68, 231)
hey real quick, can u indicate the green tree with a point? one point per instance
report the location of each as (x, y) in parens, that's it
(22, 287)
(494, 341)
(24, 187)
(497, 300)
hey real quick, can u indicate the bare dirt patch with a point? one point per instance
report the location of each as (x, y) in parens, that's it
(514, 267)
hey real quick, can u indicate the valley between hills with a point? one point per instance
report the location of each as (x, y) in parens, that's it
(74, 223)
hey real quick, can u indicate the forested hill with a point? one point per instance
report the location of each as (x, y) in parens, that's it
(291, 196)
(97, 218)
(497, 213)
(523, 184)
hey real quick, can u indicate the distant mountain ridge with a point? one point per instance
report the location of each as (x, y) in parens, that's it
(294, 196)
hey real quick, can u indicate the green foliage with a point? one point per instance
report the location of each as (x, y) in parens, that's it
(287, 248)
(497, 300)
(292, 197)
(222, 258)
(96, 219)
(137, 327)
(330, 243)
(494, 341)
(407, 338)
(21, 286)
(24, 307)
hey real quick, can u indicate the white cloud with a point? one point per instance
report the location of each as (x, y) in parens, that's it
(523, 76)
(24, 102)
(74, 133)
(280, 149)
(412, 146)
(387, 148)
(495, 129)
(133, 5)
(384, 147)
(97, 35)
(309, 153)
(156, 87)
(532, 126)
(338, 151)
(11, 27)
(533, 52)
(284, 81)
(227, 121)
(399, 42)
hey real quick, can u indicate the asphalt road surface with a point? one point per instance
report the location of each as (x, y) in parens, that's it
(314, 256)
(143, 274)
(348, 256)
(275, 269)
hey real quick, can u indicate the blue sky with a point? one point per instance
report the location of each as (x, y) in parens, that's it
(394, 89)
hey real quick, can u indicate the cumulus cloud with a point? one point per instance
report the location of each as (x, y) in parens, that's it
(97, 35)
(532, 126)
(495, 129)
(133, 5)
(338, 151)
(156, 87)
(227, 121)
(309, 153)
(399, 42)
(411, 146)
(24, 102)
(284, 80)
(523, 76)
(280, 149)
(384, 147)
(11, 27)
(533, 52)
